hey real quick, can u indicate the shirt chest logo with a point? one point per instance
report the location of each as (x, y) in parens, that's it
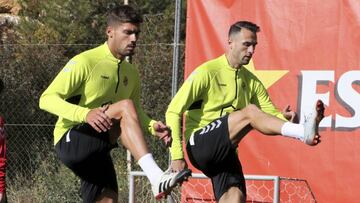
(243, 85)
(105, 77)
(125, 81)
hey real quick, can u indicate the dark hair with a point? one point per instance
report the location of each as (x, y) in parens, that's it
(236, 27)
(123, 14)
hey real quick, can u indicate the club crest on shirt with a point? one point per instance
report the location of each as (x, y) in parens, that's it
(243, 85)
(125, 81)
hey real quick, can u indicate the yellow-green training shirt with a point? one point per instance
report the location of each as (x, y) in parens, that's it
(214, 89)
(90, 80)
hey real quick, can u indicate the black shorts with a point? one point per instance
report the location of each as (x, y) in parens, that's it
(87, 153)
(211, 151)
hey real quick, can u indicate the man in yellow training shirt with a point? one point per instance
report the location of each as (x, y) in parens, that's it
(97, 98)
(222, 102)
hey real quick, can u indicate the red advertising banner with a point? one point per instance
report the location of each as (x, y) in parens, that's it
(307, 50)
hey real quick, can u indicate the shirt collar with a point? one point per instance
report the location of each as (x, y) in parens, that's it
(226, 64)
(108, 53)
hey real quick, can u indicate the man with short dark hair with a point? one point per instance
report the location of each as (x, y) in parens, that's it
(97, 98)
(222, 102)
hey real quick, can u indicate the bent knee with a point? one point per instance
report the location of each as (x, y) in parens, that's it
(121, 109)
(250, 110)
(124, 104)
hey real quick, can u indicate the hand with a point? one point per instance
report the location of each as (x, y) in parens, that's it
(178, 165)
(290, 115)
(99, 120)
(163, 132)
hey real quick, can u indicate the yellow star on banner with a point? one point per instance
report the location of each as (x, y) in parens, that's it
(267, 77)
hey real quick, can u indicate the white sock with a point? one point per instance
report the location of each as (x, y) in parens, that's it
(293, 130)
(151, 169)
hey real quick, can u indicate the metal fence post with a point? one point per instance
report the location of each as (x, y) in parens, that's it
(175, 68)
(176, 48)
(131, 188)
(276, 197)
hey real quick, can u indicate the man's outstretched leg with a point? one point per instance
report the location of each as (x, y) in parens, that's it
(133, 139)
(251, 117)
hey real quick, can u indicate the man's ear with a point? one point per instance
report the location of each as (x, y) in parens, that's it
(109, 31)
(230, 40)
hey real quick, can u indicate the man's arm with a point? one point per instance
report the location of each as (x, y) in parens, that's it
(146, 122)
(62, 87)
(189, 92)
(263, 101)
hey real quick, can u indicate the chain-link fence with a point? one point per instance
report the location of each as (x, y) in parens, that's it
(34, 173)
(259, 188)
